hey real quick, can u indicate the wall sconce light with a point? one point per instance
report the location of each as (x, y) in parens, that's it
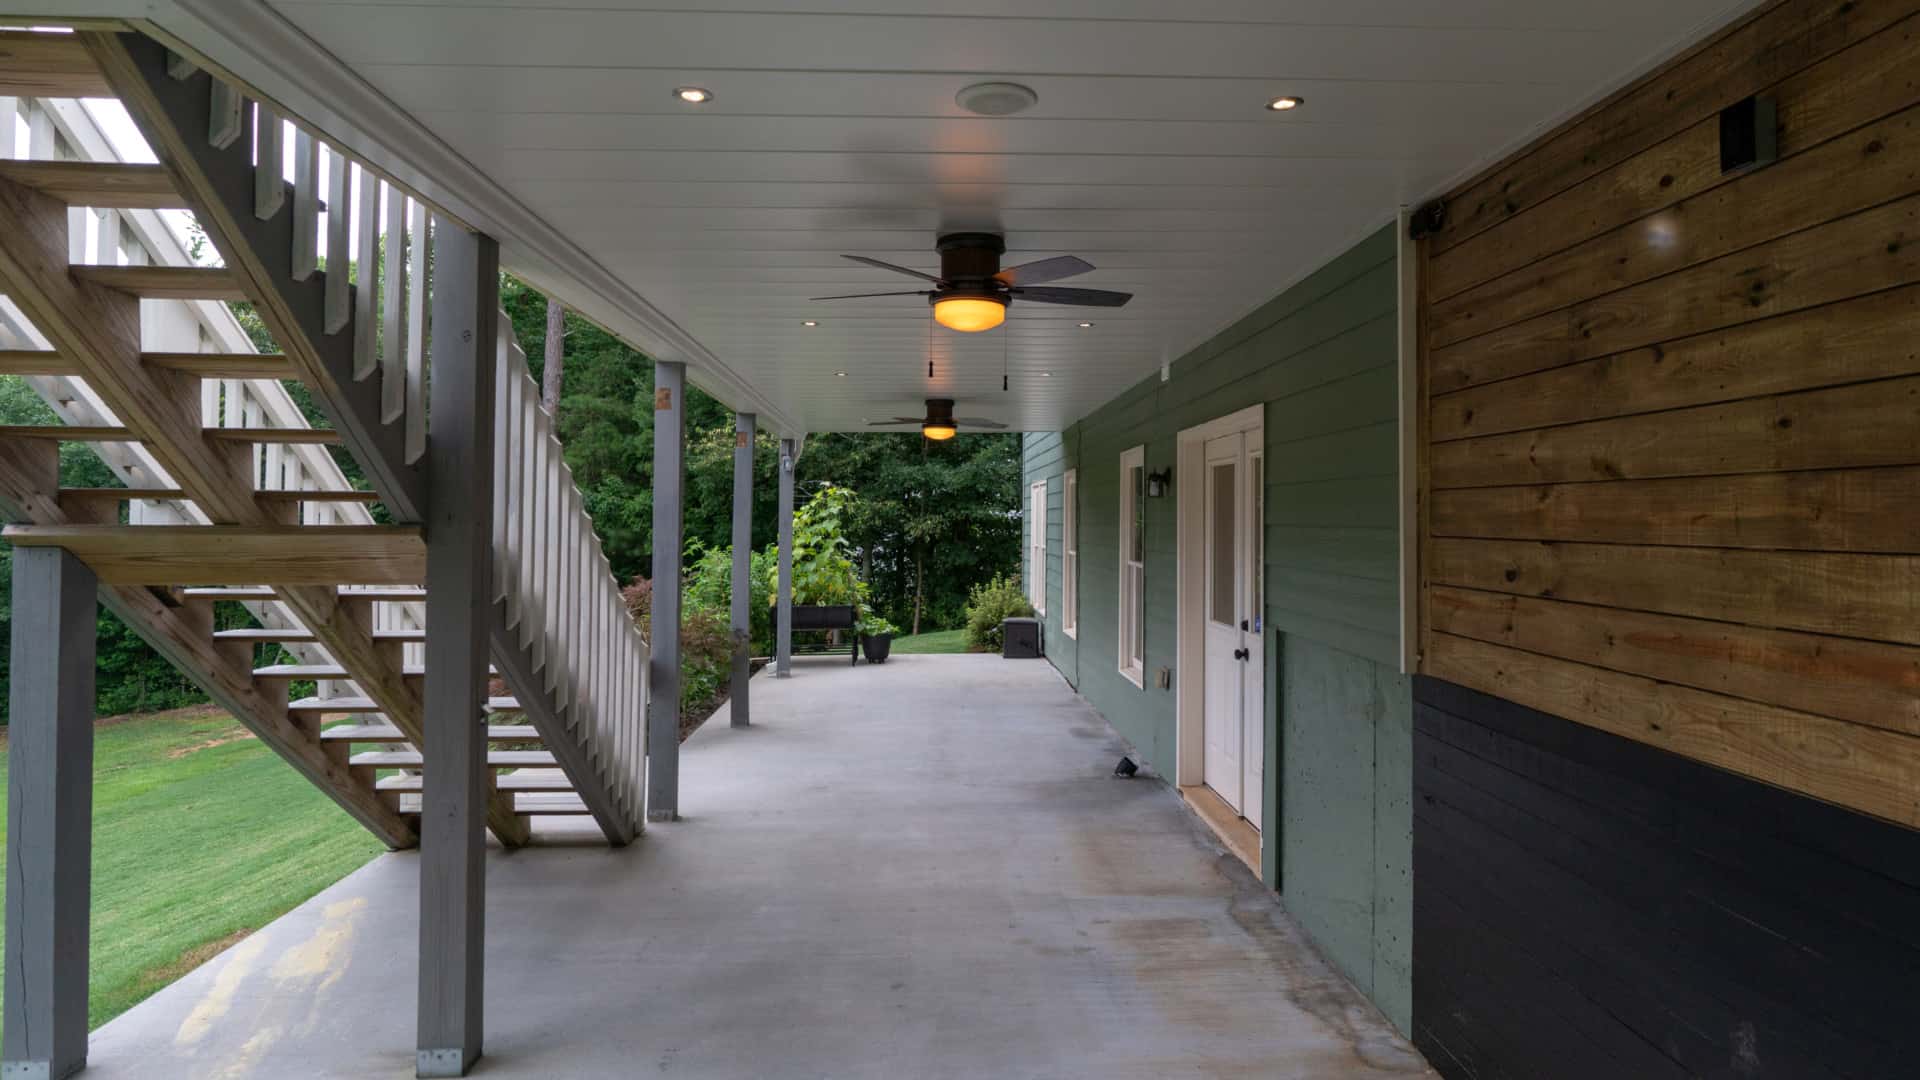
(1159, 483)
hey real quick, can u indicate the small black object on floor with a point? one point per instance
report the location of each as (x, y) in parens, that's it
(1126, 768)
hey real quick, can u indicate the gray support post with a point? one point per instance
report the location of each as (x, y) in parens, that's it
(783, 633)
(743, 424)
(459, 528)
(663, 712)
(49, 814)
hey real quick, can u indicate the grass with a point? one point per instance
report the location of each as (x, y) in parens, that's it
(938, 641)
(201, 835)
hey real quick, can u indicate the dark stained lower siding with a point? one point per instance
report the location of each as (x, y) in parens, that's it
(1589, 906)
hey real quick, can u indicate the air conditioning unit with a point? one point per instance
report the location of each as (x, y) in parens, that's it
(1020, 639)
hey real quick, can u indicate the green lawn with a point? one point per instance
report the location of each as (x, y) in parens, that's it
(200, 835)
(939, 641)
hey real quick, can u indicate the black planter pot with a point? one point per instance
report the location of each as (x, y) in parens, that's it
(876, 646)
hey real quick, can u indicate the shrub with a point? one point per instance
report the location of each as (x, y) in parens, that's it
(709, 584)
(988, 605)
(706, 646)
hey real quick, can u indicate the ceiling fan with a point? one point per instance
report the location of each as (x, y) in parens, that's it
(972, 292)
(940, 424)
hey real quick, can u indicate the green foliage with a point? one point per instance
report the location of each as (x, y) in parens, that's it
(932, 518)
(991, 603)
(874, 625)
(706, 648)
(822, 563)
(708, 585)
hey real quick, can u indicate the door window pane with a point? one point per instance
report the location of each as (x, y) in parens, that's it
(1220, 530)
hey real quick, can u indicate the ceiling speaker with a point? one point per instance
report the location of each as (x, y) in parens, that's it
(996, 98)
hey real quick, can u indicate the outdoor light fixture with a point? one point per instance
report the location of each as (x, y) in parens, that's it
(939, 430)
(1159, 483)
(970, 314)
(1282, 104)
(693, 95)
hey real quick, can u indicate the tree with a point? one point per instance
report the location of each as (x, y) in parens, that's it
(554, 360)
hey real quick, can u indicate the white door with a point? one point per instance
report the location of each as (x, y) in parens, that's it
(1235, 742)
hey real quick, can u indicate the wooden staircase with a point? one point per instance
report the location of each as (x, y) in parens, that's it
(232, 499)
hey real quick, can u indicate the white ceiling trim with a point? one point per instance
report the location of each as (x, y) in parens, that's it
(262, 49)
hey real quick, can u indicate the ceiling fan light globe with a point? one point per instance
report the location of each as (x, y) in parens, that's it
(939, 432)
(969, 314)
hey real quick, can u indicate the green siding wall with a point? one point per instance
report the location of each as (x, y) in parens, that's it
(1322, 358)
(1046, 458)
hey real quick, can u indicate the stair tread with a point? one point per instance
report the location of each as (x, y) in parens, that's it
(532, 804)
(256, 633)
(410, 593)
(389, 733)
(511, 782)
(411, 759)
(360, 704)
(229, 592)
(319, 671)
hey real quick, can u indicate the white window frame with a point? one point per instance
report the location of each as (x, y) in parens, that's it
(1070, 554)
(1037, 546)
(1133, 575)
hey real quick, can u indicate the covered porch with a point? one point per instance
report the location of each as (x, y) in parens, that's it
(923, 868)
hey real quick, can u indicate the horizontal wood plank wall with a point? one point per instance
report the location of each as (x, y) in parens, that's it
(1673, 427)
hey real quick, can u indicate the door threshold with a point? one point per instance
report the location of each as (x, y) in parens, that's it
(1236, 832)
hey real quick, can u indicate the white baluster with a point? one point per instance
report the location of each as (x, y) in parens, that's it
(417, 263)
(338, 303)
(224, 115)
(269, 163)
(306, 204)
(393, 316)
(366, 228)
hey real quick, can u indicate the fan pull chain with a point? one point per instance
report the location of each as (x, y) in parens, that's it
(1006, 346)
(929, 343)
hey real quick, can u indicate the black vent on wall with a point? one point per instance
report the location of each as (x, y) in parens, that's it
(1749, 135)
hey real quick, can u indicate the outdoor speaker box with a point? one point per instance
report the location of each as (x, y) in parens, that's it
(1749, 135)
(1020, 639)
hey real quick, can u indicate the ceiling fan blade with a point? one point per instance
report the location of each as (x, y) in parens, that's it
(864, 295)
(896, 421)
(1077, 297)
(1039, 273)
(895, 269)
(977, 421)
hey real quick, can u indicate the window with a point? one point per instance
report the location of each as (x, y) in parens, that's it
(1037, 547)
(1070, 555)
(1133, 545)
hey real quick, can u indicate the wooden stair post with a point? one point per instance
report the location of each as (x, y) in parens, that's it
(50, 819)
(457, 784)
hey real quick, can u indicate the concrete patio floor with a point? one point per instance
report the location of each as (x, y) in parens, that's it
(915, 870)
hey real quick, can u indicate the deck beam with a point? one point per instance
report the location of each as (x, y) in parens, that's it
(277, 555)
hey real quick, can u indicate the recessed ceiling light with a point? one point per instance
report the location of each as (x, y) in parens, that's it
(1282, 104)
(809, 322)
(693, 95)
(1046, 374)
(840, 374)
(1086, 326)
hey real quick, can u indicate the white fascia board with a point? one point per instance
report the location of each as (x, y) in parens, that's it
(258, 47)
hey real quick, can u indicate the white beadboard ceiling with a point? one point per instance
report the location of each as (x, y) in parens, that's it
(834, 129)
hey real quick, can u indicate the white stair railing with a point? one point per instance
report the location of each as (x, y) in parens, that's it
(561, 597)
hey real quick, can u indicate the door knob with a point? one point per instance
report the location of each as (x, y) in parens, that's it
(1241, 654)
